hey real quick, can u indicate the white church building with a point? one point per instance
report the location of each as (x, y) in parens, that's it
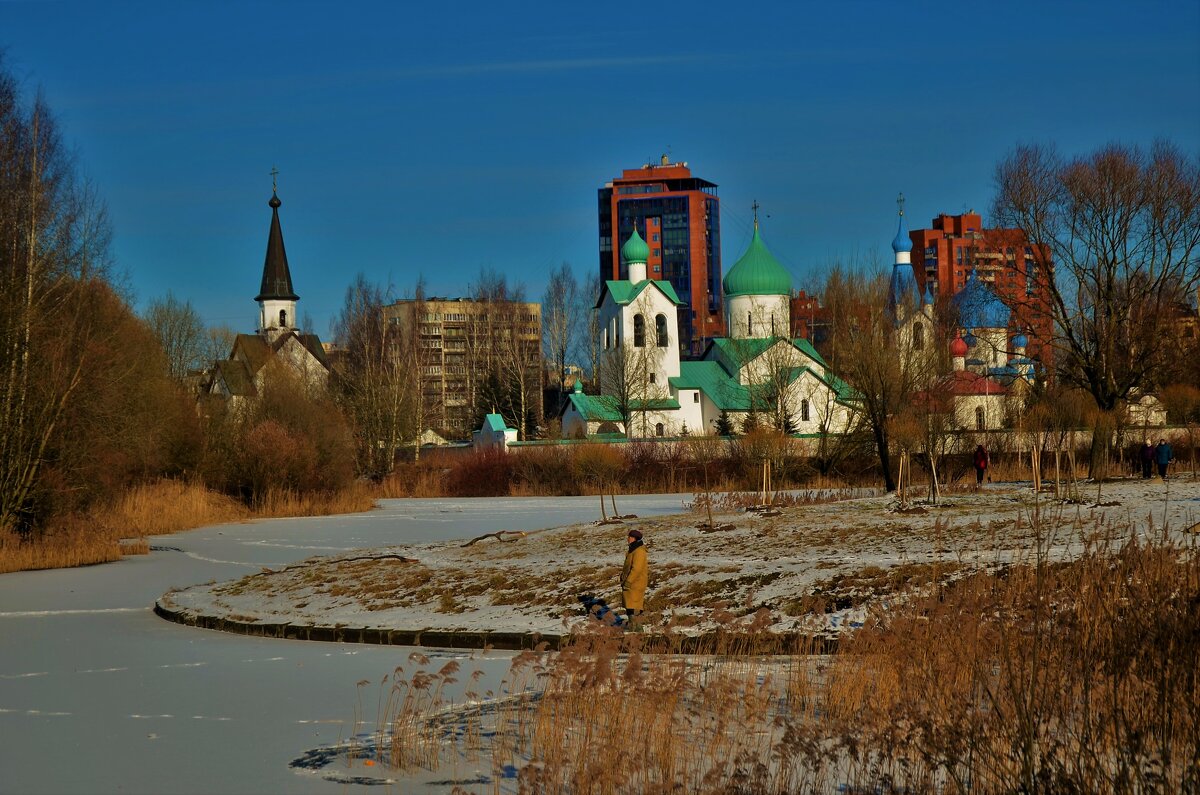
(989, 369)
(647, 391)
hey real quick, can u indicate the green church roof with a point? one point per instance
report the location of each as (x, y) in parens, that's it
(635, 249)
(607, 408)
(624, 291)
(757, 272)
(737, 352)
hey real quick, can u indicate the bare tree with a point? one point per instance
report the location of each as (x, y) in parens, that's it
(217, 344)
(867, 348)
(503, 346)
(589, 331)
(376, 381)
(180, 332)
(1113, 237)
(53, 245)
(558, 323)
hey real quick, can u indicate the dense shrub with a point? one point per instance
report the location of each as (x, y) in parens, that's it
(488, 473)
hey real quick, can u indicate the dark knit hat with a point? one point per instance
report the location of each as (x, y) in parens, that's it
(635, 535)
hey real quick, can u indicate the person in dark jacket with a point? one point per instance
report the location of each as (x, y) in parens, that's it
(980, 462)
(1147, 457)
(1163, 456)
(635, 576)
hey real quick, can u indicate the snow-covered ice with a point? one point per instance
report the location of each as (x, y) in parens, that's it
(99, 695)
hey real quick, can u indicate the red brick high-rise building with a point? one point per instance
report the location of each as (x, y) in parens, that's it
(944, 256)
(679, 216)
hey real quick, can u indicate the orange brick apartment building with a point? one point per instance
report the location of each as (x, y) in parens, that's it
(679, 216)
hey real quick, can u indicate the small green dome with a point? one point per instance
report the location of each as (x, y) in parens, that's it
(757, 272)
(635, 249)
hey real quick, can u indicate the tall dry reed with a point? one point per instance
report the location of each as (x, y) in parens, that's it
(358, 497)
(1038, 677)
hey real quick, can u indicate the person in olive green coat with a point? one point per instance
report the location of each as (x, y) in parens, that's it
(635, 575)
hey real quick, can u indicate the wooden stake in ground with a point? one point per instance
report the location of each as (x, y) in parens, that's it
(935, 491)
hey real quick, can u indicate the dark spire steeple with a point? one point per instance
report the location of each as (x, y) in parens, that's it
(277, 278)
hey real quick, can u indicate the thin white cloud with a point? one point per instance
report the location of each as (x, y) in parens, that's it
(548, 65)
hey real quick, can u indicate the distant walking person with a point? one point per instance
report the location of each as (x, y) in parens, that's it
(635, 576)
(1147, 456)
(980, 461)
(1163, 456)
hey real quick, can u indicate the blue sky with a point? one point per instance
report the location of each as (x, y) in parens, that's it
(438, 138)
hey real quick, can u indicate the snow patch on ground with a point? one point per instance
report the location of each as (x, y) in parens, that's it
(817, 568)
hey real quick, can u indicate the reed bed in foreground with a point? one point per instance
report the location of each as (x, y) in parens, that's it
(1038, 678)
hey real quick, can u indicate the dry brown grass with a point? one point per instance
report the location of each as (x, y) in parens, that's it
(108, 532)
(169, 506)
(1074, 677)
(276, 503)
(70, 544)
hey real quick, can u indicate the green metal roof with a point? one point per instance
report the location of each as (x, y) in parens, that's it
(635, 249)
(711, 378)
(737, 352)
(606, 408)
(715, 377)
(624, 291)
(495, 422)
(757, 272)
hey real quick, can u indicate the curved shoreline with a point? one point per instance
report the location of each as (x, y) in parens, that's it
(430, 638)
(707, 643)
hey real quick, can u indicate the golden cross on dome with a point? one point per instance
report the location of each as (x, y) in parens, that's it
(274, 174)
(900, 203)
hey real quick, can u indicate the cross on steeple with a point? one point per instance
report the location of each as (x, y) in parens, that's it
(274, 174)
(900, 203)
(755, 207)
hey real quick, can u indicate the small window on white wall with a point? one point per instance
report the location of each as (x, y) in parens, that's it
(695, 397)
(654, 378)
(804, 410)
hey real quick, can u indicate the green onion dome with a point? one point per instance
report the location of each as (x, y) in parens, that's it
(757, 272)
(635, 249)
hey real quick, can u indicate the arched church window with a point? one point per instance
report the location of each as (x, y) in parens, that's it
(918, 337)
(980, 420)
(605, 339)
(282, 317)
(749, 324)
(660, 329)
(804, 410)
(639, 331)
(658, 429)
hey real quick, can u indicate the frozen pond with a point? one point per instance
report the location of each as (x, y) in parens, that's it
(97, 694)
